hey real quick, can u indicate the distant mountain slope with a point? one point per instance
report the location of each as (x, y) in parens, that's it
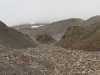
(87, 38)
(11, 38)
(27, 25)
(92, 20)
(62, 25)
(22, 26)
(56, 29)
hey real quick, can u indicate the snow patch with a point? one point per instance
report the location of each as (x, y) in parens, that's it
(40, 25)
(36, 26)
(79, 25)
(17, 28)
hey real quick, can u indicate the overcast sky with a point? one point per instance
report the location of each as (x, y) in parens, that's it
(13, 12)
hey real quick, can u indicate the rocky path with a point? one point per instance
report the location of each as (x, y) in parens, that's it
(49, 60)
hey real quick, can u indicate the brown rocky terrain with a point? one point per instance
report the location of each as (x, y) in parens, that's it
(55, 29)
(92, 20)
(49, 60)
(14, 39)
(81, 55)
(71, 36)
(84, 38)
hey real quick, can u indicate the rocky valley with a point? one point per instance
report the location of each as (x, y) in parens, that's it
(68, 47)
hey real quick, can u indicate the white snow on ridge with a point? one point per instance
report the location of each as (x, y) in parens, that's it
(40, 25)
(79, 25)
(36, 26)
(17, 28)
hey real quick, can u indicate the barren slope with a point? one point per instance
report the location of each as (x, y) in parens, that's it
(12, 38)
(56, 29)
(84, 38)
(92, 20)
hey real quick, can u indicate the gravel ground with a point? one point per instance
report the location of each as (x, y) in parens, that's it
(49, 60)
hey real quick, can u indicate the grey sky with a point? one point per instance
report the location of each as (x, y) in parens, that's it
(13, 12)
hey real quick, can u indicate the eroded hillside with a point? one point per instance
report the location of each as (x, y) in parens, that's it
(84, 38)
(14, 39)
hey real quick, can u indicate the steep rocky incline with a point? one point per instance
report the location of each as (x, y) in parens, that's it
(14, 39)
(84, 38)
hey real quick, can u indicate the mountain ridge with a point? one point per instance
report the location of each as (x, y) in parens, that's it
(88, 40)
(54, 28)
(14, 39)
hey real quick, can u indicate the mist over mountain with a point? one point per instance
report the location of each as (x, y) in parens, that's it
(14, 12)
